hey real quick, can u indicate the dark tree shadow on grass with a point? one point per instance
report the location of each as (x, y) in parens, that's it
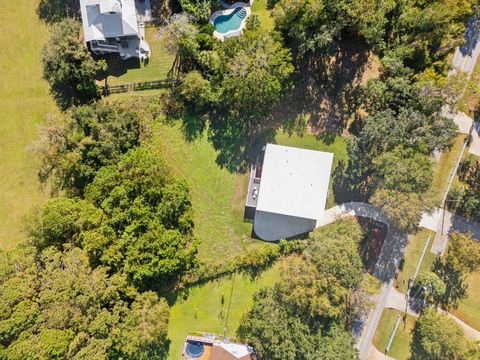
(326, 88)
(238, 148)
(52, 11)
(456, 285)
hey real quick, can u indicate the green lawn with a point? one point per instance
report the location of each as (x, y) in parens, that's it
(400, 348)
(204, 311)
(259, 7)
(443, 168)
(411, 257)
(469, 309)
(157, 67)
(218, 195)
(24, 102)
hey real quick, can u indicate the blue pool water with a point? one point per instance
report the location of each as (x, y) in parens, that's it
(195, 349)
(232, 21)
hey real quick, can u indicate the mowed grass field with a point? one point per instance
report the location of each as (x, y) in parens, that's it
(218, 195)
(205, 307)
(400, 348)
(24, 102)
(469, 309)
(156, 68)
(412, 255)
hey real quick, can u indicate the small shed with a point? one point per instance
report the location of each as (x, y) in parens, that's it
(288, 192)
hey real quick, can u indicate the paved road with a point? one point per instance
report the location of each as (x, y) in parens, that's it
(391, 254)
(466, 55)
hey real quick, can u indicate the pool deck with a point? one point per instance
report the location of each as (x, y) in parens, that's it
(236, 32)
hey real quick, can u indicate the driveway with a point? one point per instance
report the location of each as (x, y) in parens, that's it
(390, 256)
(466, 55)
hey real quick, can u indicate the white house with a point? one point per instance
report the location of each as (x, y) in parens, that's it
(112, 27)
(287, 194)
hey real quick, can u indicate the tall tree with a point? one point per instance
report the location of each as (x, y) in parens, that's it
(403, 169)
(273, 331)
(73, 147)
(436, 337)
(403, 209)
(319, 283)
(69, 67)
(461, 259)
(54, 306)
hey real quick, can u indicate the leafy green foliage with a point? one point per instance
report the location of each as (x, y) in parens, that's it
(435, 287)
(303, 316)
(436, 337)
(310, 26)
(255, 77)
(74, 147)
(371, 18)
(274, 333)
(465, 199)
(55, 306)
(403, 170)
(320, 282)
(195, 92)
(148, 222)
(199, 10)
(52, 11)
(136, 219)
(144, 328)
(462, 258)
(403, 209)
(69, 67)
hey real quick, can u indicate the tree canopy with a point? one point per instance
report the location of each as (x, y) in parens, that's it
(75, 146)
(136, 219)
(69, 67)
(55, 306)
(436, 337)
(461, 259)
(304, 315)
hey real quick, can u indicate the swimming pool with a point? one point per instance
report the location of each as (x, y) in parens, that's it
(195, 349)
(230, 22)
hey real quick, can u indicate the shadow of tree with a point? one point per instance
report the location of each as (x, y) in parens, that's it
(325, 87)
(346, 186)
(52, 11)
(237, 147)
(193, 126)
(456, 285)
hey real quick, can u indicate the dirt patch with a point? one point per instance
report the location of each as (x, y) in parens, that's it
(372, 243)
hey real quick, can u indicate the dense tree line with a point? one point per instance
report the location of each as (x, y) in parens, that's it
(321, 292)
(74, 146)
(55, 306)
